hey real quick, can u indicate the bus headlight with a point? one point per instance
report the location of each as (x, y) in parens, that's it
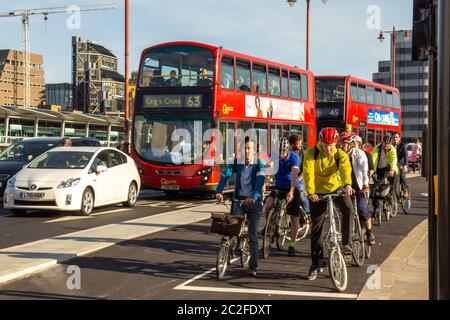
(203, 172)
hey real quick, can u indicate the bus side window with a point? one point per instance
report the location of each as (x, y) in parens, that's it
(371, 137)
(274, 81)
(294, 85)
(397, 101)
(305, 87)
(363, 133)
(259, 78)
(379, 136)
(378, 97)
(285, 86)
(354, 92)
(227, 73)
(243, 75)
(362, 94)
(370, 95)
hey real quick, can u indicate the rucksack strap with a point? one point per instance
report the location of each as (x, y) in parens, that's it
(337, 156)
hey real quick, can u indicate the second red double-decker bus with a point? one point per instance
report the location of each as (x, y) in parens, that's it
(367, 108)
(196, 87)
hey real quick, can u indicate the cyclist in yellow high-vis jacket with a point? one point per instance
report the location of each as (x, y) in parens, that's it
(325, 170)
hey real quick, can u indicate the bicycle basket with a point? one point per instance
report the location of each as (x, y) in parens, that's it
(227, 225)
(380, 191)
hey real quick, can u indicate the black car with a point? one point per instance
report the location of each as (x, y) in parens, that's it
(17, 155)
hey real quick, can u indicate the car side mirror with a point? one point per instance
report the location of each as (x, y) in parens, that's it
(101, 169)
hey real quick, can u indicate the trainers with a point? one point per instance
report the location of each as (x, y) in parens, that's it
(251, 272)
(291, 251)
(347, 250)
(314, 272)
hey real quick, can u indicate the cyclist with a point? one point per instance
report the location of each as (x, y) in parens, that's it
(287, 185)
(325, 170)
(296, 145)
(385, 159)
(360, 181)
(416, 154)
(402, 159)
(250, 178)
(358, 143)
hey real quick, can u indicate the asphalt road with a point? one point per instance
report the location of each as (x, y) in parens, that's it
(41, 225)
(158, 266)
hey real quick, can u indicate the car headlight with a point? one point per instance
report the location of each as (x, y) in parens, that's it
(72, 182)
(12, 182)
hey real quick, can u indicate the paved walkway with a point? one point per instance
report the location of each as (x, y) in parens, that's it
(404, 275)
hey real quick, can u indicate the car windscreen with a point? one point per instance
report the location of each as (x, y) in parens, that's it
(62, 160)
(86, 143)
(26, 151)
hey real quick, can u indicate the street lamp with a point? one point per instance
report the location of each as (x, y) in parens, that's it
(393, 33)
(308, 27)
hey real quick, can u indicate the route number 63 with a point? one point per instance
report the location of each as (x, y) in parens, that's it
(193, 101)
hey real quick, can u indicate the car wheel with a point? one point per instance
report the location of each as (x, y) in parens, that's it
(87, 202)
(132, 195)
(18, 212)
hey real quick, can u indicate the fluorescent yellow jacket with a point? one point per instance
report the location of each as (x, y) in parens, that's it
(391, 158)
(321, 175)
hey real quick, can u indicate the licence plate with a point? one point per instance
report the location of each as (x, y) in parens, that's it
(170, 187)
(30, 195)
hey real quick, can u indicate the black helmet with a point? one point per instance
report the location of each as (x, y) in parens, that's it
(388, 139)
(284, 145)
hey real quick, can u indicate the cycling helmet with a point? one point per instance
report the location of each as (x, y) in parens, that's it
(358, 139)
(388, 139)
(284, 145)
(346, 137)
(328, 135)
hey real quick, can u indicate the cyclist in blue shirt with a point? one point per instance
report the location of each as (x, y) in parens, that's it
(287, 185)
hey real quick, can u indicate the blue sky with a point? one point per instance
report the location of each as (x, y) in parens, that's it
(341, 42)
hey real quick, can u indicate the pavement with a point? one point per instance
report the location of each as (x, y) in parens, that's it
(404, 274)
(163, 249)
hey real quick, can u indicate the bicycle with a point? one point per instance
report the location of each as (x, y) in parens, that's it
(405, 202)
(359, 241)
(337, 265)
(276, 227)
(384, 199)
(231, 227)
(303, 231)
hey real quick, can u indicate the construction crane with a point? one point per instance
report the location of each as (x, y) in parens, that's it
(25, 14)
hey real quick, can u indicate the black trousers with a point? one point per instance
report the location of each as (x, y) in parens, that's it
(318, 210)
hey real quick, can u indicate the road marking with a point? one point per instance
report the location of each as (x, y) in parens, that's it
(187, 287)
(70, 218)
(25, 259)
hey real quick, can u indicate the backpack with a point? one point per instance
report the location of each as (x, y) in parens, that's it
(337, 157)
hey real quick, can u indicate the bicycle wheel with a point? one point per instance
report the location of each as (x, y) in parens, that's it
(367, 249)
(338, 269)
(245, 251)
(284, 231)
(394, 206)
(378, 213)
(268, 236)
(358, 251)
(387, 211)
(406, 205)
(304, 230)
(222, 261)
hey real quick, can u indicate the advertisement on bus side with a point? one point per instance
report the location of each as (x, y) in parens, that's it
(270, 108)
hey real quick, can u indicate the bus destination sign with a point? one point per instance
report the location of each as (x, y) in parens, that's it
(173, 101)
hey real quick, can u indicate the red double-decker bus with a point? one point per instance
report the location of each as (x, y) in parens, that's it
(367, 108)
(196, 87)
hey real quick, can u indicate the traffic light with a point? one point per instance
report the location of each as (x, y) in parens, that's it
(424, 27)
